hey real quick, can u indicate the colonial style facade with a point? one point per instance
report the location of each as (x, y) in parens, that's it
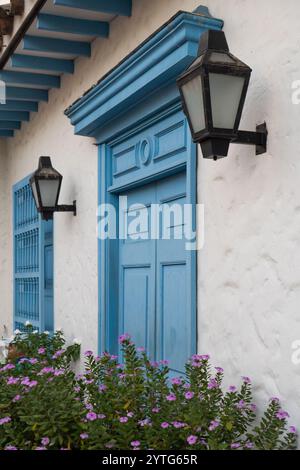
(92, 84)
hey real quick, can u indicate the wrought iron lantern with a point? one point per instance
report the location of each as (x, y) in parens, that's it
(213, 92)
(46, 185)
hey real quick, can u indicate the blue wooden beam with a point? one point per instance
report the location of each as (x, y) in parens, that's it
(5, 133)
(64, 24)
(25, 78)
(10, 125)
(14, 116)
(114, 7)
(42, 63)
(14, 105)
(27, 94)
(60, 46)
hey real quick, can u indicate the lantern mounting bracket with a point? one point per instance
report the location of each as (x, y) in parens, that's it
(67, 208)
(258, 138)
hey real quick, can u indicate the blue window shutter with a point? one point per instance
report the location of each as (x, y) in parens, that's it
(29, 260)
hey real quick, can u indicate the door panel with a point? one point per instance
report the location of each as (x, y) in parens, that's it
(153, 272)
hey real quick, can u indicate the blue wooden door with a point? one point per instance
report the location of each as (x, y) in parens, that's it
(33, 265)
(153, 304)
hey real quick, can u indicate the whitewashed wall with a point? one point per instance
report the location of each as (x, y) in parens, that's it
(249, 270)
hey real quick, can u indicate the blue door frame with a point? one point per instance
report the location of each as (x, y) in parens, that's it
(109, 190)
(32, 262)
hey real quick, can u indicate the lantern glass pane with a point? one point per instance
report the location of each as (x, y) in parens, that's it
(193, 96)
(49, 190)
(35, 194)
(221, 57)
(225, 94)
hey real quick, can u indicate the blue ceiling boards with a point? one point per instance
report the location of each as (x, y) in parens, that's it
(62, 31)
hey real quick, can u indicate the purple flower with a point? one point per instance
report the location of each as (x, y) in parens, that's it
(45, 441)
(164, 425)
(5, 420)
(235, 445)
(130, 414)
(249, 445)
(178, 424)
(88, 353)
(59, 372)
(189, 395)
(40, 448)
(123, 419)
(281, 414)
(91, 416)
(246, 380)
(84, 436)
(47, 370)
(241, 405)
(155, 410)
(145, 422)
(11, 448)
(253, 407)
(25, 381)
(164, 362)
(214, 425)
(58, 354)
(102, 388)
(12, 381)
(101, 416)
(176, 381)
(41, 351)
(232, 389)
(171, 397)
(124, 338)
(77, 389)
(292, 430)
(32, 384)
(219, 370)
(141, 350)
(8, 367)
(89, 406)
(135, 444)
(274, 400)
(191, 440)
(213, 384)
(17, 398)
(33, 361)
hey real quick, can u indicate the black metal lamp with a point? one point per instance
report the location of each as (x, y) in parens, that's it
(46, 185)
(213, 92)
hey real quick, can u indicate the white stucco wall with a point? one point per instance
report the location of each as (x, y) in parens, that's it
(5, 260)
(249, 270)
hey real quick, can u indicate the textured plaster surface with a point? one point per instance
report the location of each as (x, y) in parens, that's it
(249, 269)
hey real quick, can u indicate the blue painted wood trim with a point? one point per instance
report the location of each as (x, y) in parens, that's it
(14, 115)
(26, 94)
(4, 133)
(25, 78)
(14, 105)
(64, 24)
(157, 61)
(59, 46)
(42, 63)
(115, 7)
(10, 125)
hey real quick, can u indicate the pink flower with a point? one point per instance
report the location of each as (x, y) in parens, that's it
(249, 445)
(88, 353)
(253, 407)
(191, 440)
(5, 420)
(164, 425)
(91, 416)
(176, 381)
(32, 384)
(11, 448)
(214, 425)
(45, 441)
(17, 398)
(101, 416)
(219, 370)
(189, 395)
(282, 415)
(130, 414)
(213, 384)
(41, 351)
(124, 338)
(246, 380)
(241, 405)
(84, 436)
(58, 354)
(232, 389)
(123, 419)
(135, 444)
(178, 425)
(12, 381)
(171, 397)
(292, 430)
(155, 410)
(235, 445)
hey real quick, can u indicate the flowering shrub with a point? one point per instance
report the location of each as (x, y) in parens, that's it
(133, 405)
